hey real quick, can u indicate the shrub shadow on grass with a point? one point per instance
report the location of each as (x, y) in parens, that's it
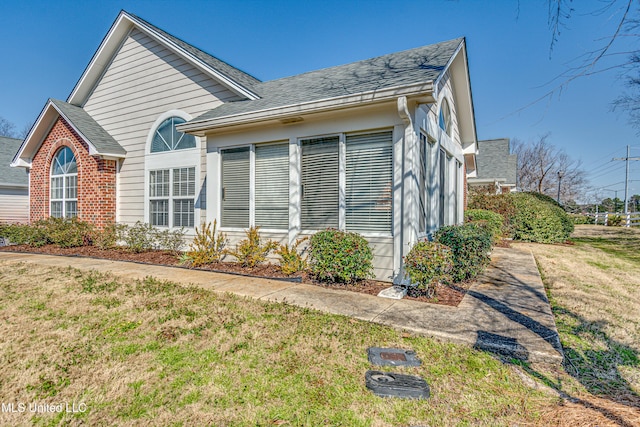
(595, 360)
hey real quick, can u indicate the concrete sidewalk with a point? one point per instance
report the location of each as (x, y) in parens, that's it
(505, 311)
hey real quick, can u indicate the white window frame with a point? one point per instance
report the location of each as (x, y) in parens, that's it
(252, 186)
(176, 159)
(342, 179)
(64, 178)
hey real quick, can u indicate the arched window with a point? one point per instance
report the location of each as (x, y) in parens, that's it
(64, 184)
(167, 138)
(444, 119)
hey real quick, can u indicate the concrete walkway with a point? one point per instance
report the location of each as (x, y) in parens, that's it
(505, 311)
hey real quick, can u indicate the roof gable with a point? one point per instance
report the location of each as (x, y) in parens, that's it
(99, 141)
(233, 78)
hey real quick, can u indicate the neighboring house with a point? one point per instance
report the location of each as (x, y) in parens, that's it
(14, 184)
(158, 131)
(497, 168)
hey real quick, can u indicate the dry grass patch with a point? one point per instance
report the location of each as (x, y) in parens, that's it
(136, 352)
(594, 289)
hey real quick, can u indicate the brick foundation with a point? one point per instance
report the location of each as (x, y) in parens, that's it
(96, 178)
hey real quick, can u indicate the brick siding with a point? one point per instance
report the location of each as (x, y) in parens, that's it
(96, 178)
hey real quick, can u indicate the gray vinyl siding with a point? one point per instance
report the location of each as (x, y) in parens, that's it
(14, 205)
(143, 81)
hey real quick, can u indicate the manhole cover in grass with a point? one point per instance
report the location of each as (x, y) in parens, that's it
(390, 384)
(392, 357)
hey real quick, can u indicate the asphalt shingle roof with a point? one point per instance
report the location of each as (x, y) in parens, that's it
(417, 65)
(495, 162)
(99, 138)
(239, 76)
(8, 175)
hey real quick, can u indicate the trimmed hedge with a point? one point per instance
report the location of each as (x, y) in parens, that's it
(338, 256)
(539, 220)
(492, 220)
(470, 245)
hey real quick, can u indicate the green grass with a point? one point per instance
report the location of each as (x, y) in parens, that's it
(148, 350)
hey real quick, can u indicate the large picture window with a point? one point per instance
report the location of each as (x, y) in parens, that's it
(269, 164)
(64, 185)
(172, 197)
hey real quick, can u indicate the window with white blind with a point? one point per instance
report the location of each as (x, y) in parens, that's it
(320, 183)
(235, 187)
(64, 185)
(172, 195)
(369, 182)
(272, 186)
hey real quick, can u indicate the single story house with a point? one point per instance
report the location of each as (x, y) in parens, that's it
(159, 131)
(14, 185)
(497, 168)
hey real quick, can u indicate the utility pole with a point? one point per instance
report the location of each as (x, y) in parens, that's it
(626, 180)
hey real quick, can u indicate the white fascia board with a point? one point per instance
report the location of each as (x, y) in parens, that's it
(101, 58)
(10, 185)
(316, 106)
(35, 133)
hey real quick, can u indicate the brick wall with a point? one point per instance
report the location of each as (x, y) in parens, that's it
(96, 178)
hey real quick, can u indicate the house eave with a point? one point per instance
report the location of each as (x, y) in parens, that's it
(420, 91)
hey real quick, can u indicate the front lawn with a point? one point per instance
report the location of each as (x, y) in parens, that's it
(141, 352)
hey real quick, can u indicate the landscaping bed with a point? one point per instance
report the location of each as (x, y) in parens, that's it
(450, 295)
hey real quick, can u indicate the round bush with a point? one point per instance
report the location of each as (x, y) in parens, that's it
(499, 203)
(470, 245)
(493, 220)
(338, 256)
(428, 263)
(539, 220)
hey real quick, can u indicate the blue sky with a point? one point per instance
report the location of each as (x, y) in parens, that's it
(46, 45)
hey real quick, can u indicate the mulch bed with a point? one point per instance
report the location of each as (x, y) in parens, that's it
(444, 295)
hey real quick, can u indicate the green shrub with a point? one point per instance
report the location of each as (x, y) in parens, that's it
(252, 251)
(169, 240)
(580, 219)
(470, 245)
(109, 235)
(493, 221)
(208, 246)
(615, 220)
(338, 256)
(291, 259)
(539, 220)
(17, 234)
(499, 203)
(428, 263)
(139, 238)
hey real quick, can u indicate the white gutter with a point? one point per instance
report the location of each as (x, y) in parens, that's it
(327, 104)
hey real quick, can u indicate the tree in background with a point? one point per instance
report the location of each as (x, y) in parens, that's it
(8, 129)
(538, 165)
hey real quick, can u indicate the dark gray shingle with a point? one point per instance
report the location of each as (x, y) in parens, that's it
(90, 129)
(8, 175)
(418, 65)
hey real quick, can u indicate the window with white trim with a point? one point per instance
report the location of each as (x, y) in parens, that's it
(368, 183)
(320, 183)
(444, 118)
(64, 185)
(424, 198)
(167, 138)
(172, 197)
(267, 206)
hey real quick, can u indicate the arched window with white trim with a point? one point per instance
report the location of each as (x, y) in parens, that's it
(444, 118)
(172, 178)
(64, 184)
